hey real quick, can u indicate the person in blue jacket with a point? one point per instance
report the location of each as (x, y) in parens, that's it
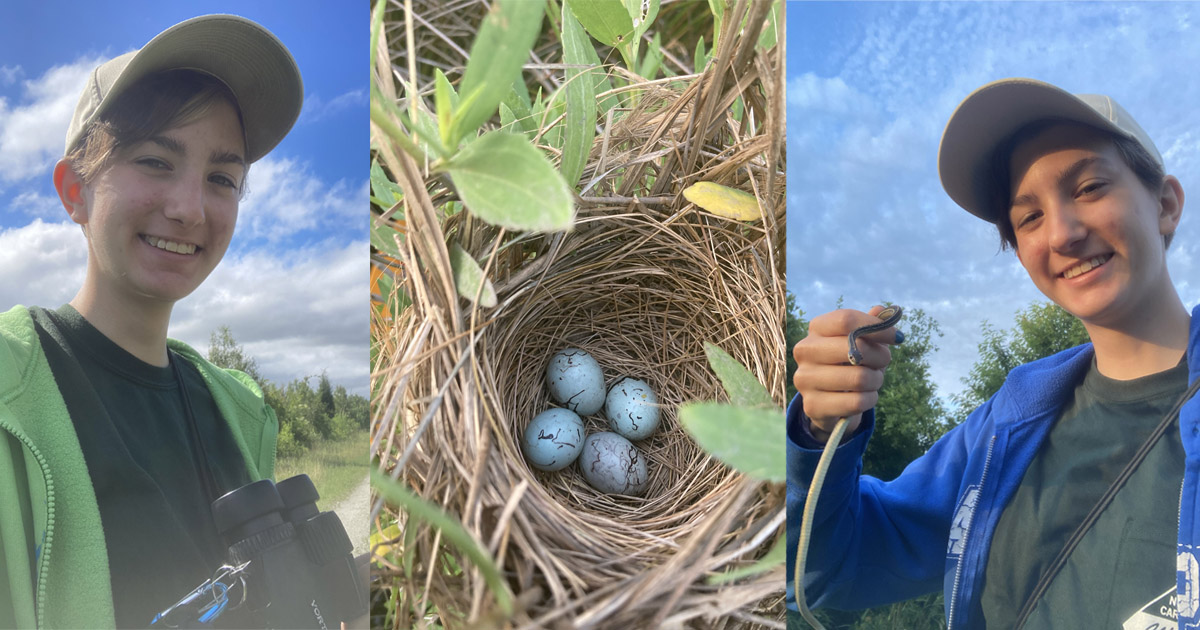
(1061, 502)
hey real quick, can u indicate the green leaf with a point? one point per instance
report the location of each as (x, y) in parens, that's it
(601, 82)
(642, 14)
(775, 557)
(518, 103)
(508, 120)
(701, 58)
(506, 181)
(718, 10)
(606, 20)
(468, 276)
(500, 49)
(398, 494)
(581, 100)
(383, 237)
(745, 438)
(653, 59)
(387, 191)
(552, 136)
(770, 34)
(740, 385)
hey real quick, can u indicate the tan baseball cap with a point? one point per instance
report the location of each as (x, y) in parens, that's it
(252, 62)
(993, 113)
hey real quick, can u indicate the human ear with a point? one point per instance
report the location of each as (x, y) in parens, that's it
(70, 192)
(1170, 205)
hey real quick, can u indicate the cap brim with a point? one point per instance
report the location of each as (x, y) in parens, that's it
(251, 61)
(989, 117)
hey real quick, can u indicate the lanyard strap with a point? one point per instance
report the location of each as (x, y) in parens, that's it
(197, 445)
(1092, 516)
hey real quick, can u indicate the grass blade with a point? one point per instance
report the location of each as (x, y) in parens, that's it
(397, 494)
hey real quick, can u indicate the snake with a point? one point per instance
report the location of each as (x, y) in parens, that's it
(889, 317)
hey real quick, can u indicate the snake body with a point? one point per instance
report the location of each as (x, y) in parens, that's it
(889, 317)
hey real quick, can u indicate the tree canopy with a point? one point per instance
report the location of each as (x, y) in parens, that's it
(1040, 330)
(305, 415)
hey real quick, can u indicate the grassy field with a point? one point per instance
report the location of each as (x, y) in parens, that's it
(335, 467)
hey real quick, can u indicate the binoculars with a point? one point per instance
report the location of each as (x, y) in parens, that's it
(290, 565)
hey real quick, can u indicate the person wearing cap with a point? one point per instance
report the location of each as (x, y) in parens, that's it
(114, 439)
(1069, 499)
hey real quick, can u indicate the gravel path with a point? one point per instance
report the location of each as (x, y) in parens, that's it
(354, 511)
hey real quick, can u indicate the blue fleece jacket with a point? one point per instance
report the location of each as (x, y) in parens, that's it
(876, 542)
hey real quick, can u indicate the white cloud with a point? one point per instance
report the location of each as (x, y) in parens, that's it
(42, 263)
(286, 197)
(810, 93)
(317, 109)
(35, 204)
(10, 74)
(296, 313)
(33, 131)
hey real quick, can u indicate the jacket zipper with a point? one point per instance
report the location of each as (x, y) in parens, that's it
(42, 558)
(967, 535)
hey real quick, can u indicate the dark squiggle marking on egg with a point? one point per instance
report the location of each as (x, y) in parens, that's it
(631, 478)
(571, 403)
(542, 435)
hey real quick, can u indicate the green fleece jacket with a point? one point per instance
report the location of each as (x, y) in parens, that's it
(53, 558)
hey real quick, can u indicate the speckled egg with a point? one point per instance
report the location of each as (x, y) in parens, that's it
(553, 439)
(576, 381)
(632, 409)
(613, 465)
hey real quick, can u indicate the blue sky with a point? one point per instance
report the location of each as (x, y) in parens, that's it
(870, 88)
(293, 287)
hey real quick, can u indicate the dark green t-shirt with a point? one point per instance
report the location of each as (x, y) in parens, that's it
(152, 490)
(1127, 559)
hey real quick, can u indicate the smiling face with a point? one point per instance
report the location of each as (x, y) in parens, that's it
(1088, 232)
(160, 214)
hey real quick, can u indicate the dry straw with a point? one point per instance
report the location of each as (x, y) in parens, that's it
(643, 280)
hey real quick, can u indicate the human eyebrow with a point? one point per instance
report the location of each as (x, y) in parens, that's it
(1065, 177)
(169, 144)
(226, 157)
(1072, 172)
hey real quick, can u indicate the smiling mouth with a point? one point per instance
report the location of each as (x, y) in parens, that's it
(186, 249)
(1086, 266)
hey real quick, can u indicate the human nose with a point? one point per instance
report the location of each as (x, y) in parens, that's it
(1066, 229)
(186, 203)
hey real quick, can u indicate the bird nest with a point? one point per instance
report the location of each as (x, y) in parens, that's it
(641, 282)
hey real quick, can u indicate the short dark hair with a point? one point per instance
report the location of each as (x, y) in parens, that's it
(1148, 171)
(152, 105)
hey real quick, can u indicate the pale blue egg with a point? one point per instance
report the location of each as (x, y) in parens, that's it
(576, 381)
(613, 465)
(632, 409)
(553, 439)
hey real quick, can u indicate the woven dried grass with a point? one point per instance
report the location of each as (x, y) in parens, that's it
(642, 281)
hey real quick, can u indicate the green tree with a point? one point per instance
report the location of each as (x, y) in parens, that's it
(1040, 330)
(325, 393)
(224, 351)
(909, 417)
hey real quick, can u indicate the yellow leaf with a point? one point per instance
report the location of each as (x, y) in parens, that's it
(383, 539)
(724, 201)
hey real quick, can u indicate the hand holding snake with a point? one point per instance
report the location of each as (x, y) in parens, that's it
(839, 372)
